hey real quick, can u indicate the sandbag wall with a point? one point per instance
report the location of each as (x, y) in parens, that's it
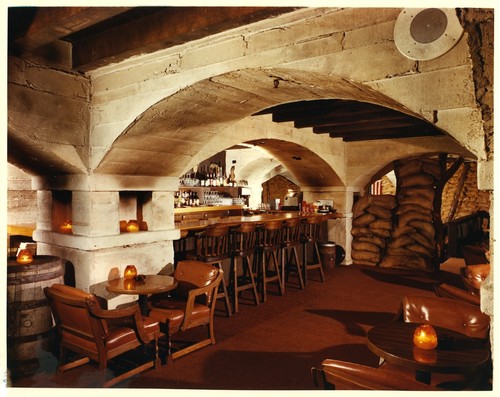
(398, 231)
(412, 242)
(371, 227)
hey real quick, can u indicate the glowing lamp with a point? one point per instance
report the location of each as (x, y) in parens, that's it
(24, 257)
(130, 272)
(132, 226)
(425, 337)
(66, 227)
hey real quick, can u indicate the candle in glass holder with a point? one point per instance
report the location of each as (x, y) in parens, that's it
(66, 227)
(132, 226)
(425, 337)
(24, 257)
(130, 272)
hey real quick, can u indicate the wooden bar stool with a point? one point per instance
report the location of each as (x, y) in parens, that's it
(311, 236)
(243, 243)
(268, 250)
(212, 246)
(291, 239)
(180, 247)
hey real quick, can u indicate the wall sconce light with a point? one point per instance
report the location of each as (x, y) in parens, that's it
(425, 337)
(24, 257)
(132, 226)
(130, 272)
(66, 227)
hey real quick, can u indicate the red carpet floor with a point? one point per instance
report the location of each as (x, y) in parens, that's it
(274, 345)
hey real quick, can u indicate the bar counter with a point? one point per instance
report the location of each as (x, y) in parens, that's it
(195, 225)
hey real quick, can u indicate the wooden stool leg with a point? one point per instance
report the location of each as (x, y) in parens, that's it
(225, 292)
(321, 272)
(248, 266)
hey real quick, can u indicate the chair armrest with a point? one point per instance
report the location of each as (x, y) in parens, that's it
(359, 376)
(449, 291)
(130, 316)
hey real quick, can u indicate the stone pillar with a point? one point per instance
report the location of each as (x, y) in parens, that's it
(96, 249)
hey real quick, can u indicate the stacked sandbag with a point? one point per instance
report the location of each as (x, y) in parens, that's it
(371, 226)
(412, 241)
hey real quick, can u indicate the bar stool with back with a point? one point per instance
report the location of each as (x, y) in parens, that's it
(268, 249)
(243, 244)
(290, 240)
(311, 236)
(212, 246)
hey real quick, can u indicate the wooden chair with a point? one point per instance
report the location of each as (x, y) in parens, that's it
(310, 237)
(268, 248)
(191, 304)
(97, 334)
(243, 243)
(212, 247)
(291, 235)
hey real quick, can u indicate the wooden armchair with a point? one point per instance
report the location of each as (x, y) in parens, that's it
(97, 334)
(191, 304)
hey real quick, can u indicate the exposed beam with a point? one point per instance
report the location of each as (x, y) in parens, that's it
(34, 27)
(383, 134)
(340, 119)
(377, 126)
(167, 27)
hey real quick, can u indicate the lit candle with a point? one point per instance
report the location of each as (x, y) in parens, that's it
(66, 227)
(24, 257)
(130, 272)
(425, 337)
(132, 226)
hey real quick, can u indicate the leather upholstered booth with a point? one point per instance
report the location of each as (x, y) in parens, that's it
(473, 276)
(191, 304)
(97, 334)
(452, 314)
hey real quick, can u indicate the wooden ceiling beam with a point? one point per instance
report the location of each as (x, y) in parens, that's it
(384, 134)
(362, 127)
(162, 29)
(34, 27)
(371, 115)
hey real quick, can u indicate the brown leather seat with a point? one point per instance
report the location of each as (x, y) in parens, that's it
(473, 276)
(191, 304)
(98, 334)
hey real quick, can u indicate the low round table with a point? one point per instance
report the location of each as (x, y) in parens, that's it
(152, 284)
(455, 353)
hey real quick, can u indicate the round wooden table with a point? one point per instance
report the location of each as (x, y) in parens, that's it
(455, 353)
(152, 284)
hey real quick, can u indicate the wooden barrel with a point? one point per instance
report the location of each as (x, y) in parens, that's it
(29, 319)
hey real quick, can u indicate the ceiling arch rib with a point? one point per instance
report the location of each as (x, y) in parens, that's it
(161, 141)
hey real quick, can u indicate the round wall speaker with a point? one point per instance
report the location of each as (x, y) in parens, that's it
(426, 33)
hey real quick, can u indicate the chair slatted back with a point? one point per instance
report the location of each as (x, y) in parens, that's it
(213, 244)
(244, 239)
(291, 232)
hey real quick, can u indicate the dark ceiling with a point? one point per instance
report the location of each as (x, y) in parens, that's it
(102, 35)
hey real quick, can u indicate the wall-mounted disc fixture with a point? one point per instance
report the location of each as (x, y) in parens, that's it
(427, 33)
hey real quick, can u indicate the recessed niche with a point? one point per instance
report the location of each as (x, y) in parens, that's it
(135, 211)
(62, 211)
